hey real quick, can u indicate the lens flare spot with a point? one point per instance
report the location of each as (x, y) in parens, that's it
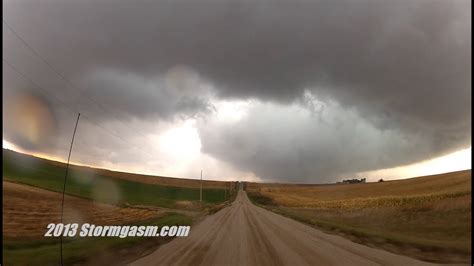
(29, 121)
(82, 177)
(106, 191)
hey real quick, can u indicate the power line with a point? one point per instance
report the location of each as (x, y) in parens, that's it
(23, 75)
(69, 83)
(47, 93)
(39, 87)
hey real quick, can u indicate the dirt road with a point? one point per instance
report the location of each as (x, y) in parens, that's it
(244, 234)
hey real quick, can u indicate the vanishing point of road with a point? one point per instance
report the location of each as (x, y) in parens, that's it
(244, 234)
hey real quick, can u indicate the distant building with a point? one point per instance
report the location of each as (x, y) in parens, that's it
(353, 181)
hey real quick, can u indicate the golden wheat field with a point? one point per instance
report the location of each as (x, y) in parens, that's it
(427, 217)
(387, 193)
(28, 210)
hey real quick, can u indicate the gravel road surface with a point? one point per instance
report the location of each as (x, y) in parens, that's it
(244, 234)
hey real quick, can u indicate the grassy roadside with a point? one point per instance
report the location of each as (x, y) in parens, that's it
(86, 250)
(420, 229)
(218, 207)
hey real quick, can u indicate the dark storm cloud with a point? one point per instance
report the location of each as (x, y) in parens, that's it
(179, 92)
(322, 146)
(403, 66)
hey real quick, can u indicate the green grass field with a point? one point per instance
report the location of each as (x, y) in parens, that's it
(49, 175)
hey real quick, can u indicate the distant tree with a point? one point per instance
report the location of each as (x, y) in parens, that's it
(381, 180)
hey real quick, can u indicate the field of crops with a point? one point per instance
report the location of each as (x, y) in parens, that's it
(32, 199)
(420, 188)
(428, 217)
(28, 210)
(89, 251)
(93, 184)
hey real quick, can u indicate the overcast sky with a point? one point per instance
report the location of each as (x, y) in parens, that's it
(300, 91)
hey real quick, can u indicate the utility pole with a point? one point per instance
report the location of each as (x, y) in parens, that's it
(64, 185)
(200, 191)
